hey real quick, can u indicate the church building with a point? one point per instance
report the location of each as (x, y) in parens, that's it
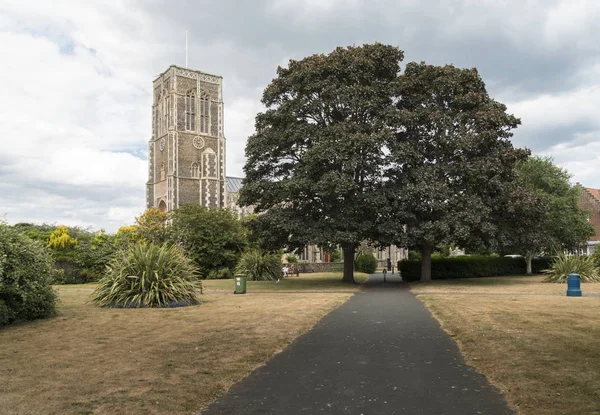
(187, 148)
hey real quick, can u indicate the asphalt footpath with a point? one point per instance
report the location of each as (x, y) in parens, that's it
(379, 353)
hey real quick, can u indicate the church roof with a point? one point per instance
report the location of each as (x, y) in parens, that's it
(234, 184)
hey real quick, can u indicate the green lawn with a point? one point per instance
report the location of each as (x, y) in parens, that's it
(325, 281)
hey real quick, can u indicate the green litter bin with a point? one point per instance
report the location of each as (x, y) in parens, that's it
(240, 284)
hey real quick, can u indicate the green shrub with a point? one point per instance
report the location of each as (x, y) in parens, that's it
(336, 256)
(258, 265)
(366, 263)
(470, 267)
(292, 259)
(564, 265)
(596, 256)
(414, 255)
(220, 274)
(25, 278)
(148, 275)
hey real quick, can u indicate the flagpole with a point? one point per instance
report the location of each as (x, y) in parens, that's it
(186, 48)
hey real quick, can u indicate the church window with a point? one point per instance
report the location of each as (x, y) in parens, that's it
(190, 111)
(204, 113)
(165, 114)
(162, 171)
(195, 170)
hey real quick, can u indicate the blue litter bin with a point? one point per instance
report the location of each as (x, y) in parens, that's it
(574, 286)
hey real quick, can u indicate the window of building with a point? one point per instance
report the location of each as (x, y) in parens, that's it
(190, 111)
(195, 170)
(162, 171)
(204, 113)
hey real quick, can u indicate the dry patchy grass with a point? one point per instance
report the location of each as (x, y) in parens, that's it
(321, 282)
(543, 352)
(146, 361)
(499, 285)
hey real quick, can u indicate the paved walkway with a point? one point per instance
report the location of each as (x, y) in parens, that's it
(379, 353)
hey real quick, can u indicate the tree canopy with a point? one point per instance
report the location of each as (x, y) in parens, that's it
(549, 219)
(315, 164)
(451, 161)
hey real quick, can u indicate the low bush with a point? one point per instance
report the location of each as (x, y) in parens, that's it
(26, 274)
(220, 274)
(259, 265)
(148, 275)
(366, 263)
(564, 265)
(470, 266)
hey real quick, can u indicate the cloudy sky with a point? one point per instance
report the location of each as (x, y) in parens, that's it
(77, 75)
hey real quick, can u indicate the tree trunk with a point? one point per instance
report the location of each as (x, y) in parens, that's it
(348, 263)
(426, 250)
(528, 258)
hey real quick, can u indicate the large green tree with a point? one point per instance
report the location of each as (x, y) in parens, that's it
(451, 161)
(213, 238)
(315, 164)
(556, 222)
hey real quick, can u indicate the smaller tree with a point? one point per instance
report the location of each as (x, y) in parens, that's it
(152, 225)
(545, 214)
(213, 238)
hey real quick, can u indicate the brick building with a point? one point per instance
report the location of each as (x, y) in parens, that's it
(590, 200)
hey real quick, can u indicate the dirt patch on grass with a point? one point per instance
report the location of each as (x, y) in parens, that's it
(542, 352)
(146, 361)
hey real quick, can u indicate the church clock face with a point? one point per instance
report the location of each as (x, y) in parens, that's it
(162, 144)
(198, 142)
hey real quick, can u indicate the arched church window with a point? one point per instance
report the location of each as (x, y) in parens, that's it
(204, 113)
(162, 171)
(195, 170)
(190, 111)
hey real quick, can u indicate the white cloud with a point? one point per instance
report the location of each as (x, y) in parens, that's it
(75, 102)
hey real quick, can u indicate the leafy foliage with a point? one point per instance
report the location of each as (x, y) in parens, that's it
(127, 235)
(366, 263)
(469, 267)
(564, 265)
(213, 238)
(313, 166)
(220, 274)
(259, 265)
(451, 161)
(148, 275)
(336, 256)
(25, 277)
(60, 240)
(544, 215)
(596, 256)
(152, 226)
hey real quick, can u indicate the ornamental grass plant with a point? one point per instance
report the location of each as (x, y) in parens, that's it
(258, 265)
(564, 265)
(148, 275)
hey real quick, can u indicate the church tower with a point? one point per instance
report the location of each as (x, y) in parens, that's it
(187, 149)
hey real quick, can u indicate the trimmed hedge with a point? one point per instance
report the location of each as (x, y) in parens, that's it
(471, 267)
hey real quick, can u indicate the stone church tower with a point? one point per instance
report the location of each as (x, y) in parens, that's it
(187, 148)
